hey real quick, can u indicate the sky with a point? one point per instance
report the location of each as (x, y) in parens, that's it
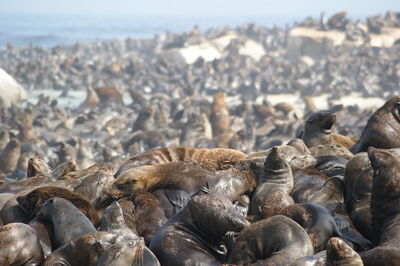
(199, 7)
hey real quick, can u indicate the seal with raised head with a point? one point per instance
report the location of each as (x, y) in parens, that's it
(318, 131)
(19, 245)
(194, 236)
(277, 176)
(382, 129)
(274, 241)
(10, 155)
(68, 222)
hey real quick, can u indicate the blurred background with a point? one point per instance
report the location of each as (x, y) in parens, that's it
(48, 23)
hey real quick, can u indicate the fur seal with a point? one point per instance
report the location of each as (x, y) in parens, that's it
(171, 200)
(210, 159)
(382, 129)
(37, 167)
(318, 131)
(195, 234)
(295, 152)
(32, 201)
(94, 185)
(119, 218)
(331, 149)
(149, 215)
(274, 241)
(176, 175)
(19, 245)
(275, 203)
(133, 252)
(338, 253)
(319, 224)
(219, 117)
(277, 176)
(358, 184)
(385, 211)
(232, 183)
(10, 155)
(68, 222)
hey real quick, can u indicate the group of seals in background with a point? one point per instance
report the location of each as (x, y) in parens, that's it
(286, 205)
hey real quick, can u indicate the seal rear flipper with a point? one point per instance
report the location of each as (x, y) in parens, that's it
(178, 198)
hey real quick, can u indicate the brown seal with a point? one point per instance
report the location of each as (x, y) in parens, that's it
(277, 176)
(19, 245)
(210, 159)
(31, 202)
(92, 99)
(149, 215)
(219, 117)
(177, 175)
(295, 152)
(338, 253)
(9, 156)
(382, 129)
(318, 131)
(275, 203)
(274, 241)
(385, 202)
(133, 252)
(109, 94)
(37, 167)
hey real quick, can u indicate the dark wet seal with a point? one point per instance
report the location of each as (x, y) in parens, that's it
(382, 129)
(274, 241)
(68, 222)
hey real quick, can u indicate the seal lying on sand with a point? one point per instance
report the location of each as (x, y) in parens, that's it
(382, 129)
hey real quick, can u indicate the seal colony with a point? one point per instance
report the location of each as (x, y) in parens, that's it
(187, 176)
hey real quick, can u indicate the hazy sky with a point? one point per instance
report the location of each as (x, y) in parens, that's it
(199, 7)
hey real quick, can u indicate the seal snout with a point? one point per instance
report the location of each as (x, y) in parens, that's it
(329, 121)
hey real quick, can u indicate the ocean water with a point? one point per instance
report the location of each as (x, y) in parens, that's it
(50, 30)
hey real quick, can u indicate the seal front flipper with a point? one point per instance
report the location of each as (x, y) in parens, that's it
(178, 198)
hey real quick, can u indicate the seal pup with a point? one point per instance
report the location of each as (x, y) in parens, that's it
(119, 218)
(19, 245)
(277, 176)
(274, 241)
(9, 156)
(382, 129)
(210, 159)
(68, 222)
(195, 234)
